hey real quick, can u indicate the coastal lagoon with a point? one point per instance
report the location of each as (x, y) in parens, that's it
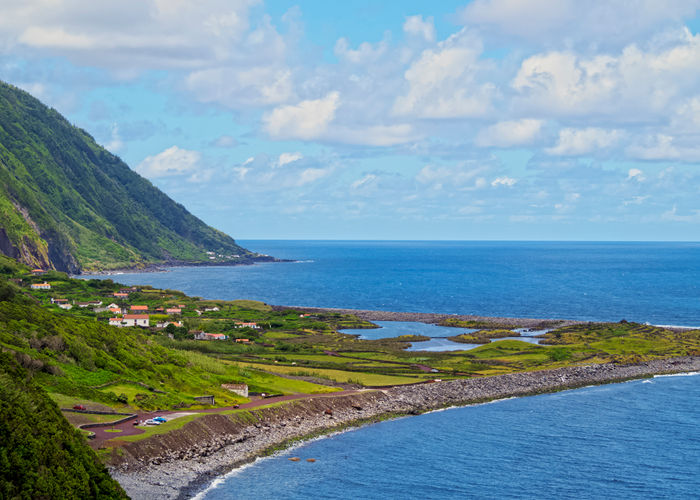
(644, 282)
(438, 335)
(631, 440)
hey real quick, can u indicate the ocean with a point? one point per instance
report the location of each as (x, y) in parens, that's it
(657, 283)
(638, 439)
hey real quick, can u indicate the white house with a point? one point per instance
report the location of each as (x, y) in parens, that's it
(135, 320)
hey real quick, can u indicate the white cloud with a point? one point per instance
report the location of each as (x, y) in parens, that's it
(115, 143)
(128, 34)
(635, 174)
(593, 22)
(504, 181)
(306, 120)
(566, 84)
(172, 161)
(509, 133)
(364, 54)
(443, 83)
(417, 26)
(373, 135)
(241, 87)
(285, 158)
(575, 142)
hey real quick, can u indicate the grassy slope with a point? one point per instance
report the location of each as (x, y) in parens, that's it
(86, 200)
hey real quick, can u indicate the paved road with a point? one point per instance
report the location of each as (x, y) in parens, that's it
(129, 429)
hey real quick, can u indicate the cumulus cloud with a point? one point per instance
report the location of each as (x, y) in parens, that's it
(504, 181)
(443, 82)
(285, 158)
(306, 120)
(635, 174)
(129, 34)
(566, 84)
(594, 22)
(364, 54)
(509, 133)
(575, 142)
(172, 161)
(241, 87)
(417, 26)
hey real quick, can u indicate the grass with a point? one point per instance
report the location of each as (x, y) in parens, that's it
(366, 379)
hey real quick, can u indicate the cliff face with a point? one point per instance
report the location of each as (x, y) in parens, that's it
(67, 203)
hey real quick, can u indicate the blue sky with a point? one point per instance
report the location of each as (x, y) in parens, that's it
(490, 119)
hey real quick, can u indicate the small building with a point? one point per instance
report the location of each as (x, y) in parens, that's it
(240, 389)
(135, 320)
(211, 309)
(66, 306)
(243, 341)
(58, 301)
(205, 400)
(138, 308)
(209, 336)
(181, 306)
(241, 324)
(115, 322)
(41, 286)
(121, 295)
(173, 310)
(115, 310)
(38, 272)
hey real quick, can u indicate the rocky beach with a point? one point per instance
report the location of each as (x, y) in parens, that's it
(183, 462)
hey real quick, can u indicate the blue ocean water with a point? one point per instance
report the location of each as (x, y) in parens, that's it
(637, 440)
(644, 282)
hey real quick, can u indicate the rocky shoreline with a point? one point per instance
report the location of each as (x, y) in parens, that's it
(184, 461)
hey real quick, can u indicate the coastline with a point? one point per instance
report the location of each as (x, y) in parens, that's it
(184, 462)
(163, 267)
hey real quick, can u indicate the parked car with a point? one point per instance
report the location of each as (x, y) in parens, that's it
(162, 420)
(152, 422)
(79, 407)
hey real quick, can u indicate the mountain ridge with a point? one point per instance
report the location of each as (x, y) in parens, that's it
(67, 203)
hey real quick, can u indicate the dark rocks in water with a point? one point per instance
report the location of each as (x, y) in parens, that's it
(294, 459)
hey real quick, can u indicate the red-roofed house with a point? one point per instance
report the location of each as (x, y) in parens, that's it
(135, 320)
(121, 295)
(173, 310)
(138, 308)
(41, 286)
(210, 336)
(115, 321)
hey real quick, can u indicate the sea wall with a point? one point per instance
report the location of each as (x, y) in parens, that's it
(177, 464)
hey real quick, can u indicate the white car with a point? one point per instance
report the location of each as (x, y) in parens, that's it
(152, 422)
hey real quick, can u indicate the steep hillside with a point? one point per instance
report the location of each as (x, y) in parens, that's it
(67, 203)
(41, 454)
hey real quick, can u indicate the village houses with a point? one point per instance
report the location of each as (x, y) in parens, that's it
(41, 286)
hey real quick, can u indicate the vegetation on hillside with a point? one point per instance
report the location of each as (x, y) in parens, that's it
(41, 454)
(67, 203)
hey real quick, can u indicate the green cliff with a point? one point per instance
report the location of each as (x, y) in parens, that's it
(67, 203)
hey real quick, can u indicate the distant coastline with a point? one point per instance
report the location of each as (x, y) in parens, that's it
(163, 267)
(184, 462)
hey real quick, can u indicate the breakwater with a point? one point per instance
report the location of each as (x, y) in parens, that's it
(177, 464)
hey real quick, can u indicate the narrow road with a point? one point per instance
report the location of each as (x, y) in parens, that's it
(129, 429)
